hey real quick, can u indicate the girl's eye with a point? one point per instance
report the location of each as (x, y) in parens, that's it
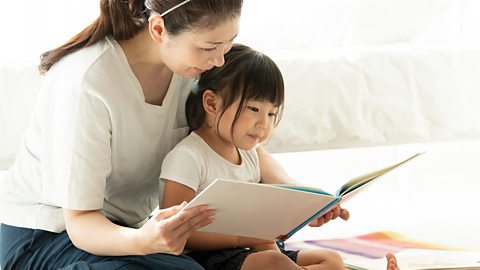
(272, 114)
(209, 49)
(253, 109)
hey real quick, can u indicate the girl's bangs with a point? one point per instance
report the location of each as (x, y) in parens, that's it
(263, 81)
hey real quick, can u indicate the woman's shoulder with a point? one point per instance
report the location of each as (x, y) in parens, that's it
(98, 70)
(97, 61)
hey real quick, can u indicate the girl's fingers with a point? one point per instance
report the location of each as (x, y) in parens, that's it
(344, 214)
(328, 216)
(335, 212)
(317, 222)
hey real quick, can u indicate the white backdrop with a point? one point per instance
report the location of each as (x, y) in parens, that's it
(31, 27)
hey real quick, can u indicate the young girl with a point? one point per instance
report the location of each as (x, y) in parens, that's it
(231, 111)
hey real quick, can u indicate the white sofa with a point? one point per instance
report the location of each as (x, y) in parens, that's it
(371, 72)
(389, 94)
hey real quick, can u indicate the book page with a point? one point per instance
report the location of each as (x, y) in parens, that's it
(303, 188)
(364, 179)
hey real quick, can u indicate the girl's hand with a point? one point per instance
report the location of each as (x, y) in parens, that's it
(168, 230)
(337, 211)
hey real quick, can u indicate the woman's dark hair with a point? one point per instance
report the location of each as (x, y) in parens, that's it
(246, 75)
(122, 19)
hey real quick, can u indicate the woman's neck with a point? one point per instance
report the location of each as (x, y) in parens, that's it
(152, 74)
(141, 49)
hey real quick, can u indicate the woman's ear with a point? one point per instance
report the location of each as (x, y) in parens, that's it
(211, 102)
(156, 27)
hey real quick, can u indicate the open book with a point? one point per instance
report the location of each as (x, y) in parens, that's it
(274, 211)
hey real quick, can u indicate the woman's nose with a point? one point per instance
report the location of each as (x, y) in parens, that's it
(218, 59)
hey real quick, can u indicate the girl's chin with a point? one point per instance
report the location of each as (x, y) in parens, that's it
(248, 147)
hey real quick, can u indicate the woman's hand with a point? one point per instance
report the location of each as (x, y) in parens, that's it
(168, 230)
(335, 212)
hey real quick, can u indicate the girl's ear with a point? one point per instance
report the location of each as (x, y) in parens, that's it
(211, 102)
(156, 27)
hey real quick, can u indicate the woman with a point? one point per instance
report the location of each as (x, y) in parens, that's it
(111, 106)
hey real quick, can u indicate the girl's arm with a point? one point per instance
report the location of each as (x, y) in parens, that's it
(166, 232)
(271, 171)
(175, 193)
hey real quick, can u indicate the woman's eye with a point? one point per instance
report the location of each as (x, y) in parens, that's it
(253, 109)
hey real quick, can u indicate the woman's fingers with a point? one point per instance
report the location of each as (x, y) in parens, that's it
(189, 220)
(193, 222)
(168, 212)
(168, 230)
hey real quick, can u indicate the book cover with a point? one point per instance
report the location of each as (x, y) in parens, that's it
(274, 211)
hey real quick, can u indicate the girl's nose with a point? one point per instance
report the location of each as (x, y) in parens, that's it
(262, 121)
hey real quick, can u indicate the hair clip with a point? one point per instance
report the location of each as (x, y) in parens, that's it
(174, 7)
(195, 86)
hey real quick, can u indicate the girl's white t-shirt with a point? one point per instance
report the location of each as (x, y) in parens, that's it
(195, 164)
(93, 143)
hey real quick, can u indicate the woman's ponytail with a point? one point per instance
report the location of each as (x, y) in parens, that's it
(194, 110)
(119, 18)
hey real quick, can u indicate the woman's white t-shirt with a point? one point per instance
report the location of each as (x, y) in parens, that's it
(93, 143)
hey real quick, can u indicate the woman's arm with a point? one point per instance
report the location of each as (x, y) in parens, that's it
(166, 232)
(174, 193)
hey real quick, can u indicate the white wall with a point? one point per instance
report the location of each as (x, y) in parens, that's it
(30, 27)
(317, 24)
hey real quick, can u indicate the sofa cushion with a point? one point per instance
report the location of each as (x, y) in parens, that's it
(18, 91)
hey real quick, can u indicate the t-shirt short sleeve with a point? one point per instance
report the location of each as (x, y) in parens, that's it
(76, 153)
(182, 166)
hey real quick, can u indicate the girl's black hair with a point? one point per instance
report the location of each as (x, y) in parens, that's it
(246, 75)
(122, 19)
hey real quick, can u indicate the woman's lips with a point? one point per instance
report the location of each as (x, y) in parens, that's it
(199, 70)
